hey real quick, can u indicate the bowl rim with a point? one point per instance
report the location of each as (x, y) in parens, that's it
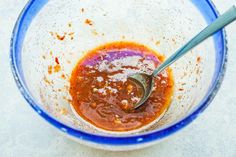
(15, 51)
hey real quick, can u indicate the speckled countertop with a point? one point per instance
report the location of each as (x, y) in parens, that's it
(23, 133)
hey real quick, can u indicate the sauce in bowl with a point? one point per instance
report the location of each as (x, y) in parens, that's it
(102, 95)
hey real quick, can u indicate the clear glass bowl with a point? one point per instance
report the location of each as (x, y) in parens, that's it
(46, 30)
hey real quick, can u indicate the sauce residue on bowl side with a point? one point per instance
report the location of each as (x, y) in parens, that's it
(102, 95)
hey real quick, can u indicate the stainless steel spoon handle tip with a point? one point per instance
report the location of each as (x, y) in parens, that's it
(223, 20)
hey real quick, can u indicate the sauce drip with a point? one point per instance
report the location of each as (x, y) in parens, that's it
(102, 94)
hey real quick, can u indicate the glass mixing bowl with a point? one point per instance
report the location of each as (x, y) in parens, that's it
(49, 32)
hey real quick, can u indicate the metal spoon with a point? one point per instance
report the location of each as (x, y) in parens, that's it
(146, 82)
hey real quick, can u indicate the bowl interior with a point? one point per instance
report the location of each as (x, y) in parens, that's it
(68, 30)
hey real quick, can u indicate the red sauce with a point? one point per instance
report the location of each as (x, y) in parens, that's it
(102, 94)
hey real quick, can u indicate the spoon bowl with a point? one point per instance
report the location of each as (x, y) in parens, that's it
(146, 82)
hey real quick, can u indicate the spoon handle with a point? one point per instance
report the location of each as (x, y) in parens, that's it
(223, 20)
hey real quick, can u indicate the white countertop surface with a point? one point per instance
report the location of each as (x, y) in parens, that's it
(23, 133)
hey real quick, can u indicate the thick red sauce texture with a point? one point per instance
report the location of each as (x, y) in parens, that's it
(102, 94)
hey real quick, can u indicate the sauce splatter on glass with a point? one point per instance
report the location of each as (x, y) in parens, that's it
(88, 22)
(102, 94)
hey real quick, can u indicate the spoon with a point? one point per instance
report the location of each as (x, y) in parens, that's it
(146, 82)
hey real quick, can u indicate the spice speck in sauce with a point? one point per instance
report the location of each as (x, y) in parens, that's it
(71, 35)
(57, 60)
(198, 59)
(56, 68)
(69, 24)
(63, 76)
(181, 89)
(88, 22)
(158, 43)
(49, 69)
(61, 37)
